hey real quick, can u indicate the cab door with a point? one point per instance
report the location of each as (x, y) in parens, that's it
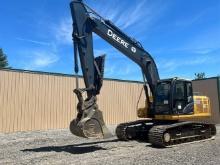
(182, 97)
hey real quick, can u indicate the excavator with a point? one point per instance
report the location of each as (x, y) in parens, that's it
(168, 117)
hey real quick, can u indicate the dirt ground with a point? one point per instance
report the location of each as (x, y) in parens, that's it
(61, 147)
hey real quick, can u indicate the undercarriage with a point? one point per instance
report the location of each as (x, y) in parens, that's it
(165, 133)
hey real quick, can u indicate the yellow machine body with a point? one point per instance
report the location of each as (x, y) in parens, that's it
(202, 109)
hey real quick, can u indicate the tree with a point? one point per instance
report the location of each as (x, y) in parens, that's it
(3, 60)
(199, 75)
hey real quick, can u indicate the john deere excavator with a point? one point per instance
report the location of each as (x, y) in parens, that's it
(169, 102)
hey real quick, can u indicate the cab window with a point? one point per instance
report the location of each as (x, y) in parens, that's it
(179, 91)
(163, 93)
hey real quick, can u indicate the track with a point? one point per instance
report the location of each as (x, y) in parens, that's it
(136, 130)
(165, 134)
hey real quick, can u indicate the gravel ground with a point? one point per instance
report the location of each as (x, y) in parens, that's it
(61, 147)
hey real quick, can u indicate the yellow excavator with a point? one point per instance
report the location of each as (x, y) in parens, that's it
(170, 109)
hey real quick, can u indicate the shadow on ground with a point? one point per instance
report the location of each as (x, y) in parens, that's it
(73, 149)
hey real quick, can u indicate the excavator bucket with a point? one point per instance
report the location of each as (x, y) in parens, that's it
(90, 125)
(89, 122)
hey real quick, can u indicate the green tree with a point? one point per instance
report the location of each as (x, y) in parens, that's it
(3, 60)
(200, 75)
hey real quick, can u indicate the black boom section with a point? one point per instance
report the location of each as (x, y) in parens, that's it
(86, 21)
(99, 72)
(82, 34)
(129, 48)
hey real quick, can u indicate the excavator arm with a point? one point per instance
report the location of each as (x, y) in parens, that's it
(89, 121)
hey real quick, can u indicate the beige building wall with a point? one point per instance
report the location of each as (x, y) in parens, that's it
(210, 87)
(40, 101)
(33, 101)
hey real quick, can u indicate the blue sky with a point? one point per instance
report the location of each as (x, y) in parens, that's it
(183, 36)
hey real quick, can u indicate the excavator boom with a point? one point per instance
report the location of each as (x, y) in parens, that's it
(89, 121)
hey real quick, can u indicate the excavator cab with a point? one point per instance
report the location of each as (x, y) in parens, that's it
(174, 97)
(174, 100)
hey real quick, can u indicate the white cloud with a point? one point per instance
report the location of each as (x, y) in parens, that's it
(138, 16)
(110, 70)
(203, 42)
(209, 39)
(117, 65)
(34, 41)
(167, 65)
(204, 50)
(42, 60)
(110, 52)
(63, 31)
(134, 15)
(123, 71)
(38, 59)
(189, 21)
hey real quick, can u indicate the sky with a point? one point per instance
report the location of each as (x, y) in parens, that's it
(183, 36)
